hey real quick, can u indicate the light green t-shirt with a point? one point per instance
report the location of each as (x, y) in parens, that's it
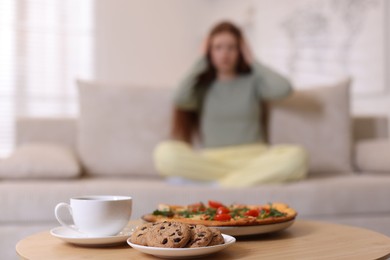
(231, 109)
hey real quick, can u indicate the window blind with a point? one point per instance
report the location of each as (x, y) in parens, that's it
(44, 46)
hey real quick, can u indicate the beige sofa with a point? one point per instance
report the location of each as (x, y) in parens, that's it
(112, 141)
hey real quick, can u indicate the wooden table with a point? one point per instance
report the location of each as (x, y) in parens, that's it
(304, 240)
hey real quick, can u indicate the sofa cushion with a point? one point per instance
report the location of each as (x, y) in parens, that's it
(319, 120)
(373, 156)
(120, 126)
(40, 160)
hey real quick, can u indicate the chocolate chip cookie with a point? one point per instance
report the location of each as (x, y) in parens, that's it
(217, 237)
(200, 236)
(168, 234)
(139, 235)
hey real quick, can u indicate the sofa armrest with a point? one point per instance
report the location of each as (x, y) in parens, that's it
(370, 127)
(48, 130)
(373, 156)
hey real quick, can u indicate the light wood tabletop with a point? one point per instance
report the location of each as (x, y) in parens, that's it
(304, 240)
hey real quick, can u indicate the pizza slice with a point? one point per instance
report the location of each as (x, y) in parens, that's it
(218, 214)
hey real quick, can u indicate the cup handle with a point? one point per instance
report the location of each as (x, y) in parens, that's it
(63, 223)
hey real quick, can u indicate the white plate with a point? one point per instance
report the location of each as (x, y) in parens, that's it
(256, 230)
(180, 253)
(74, 237)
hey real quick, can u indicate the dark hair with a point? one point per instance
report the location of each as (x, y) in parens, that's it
(185, 124)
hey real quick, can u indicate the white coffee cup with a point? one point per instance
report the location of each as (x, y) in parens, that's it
(97, 216)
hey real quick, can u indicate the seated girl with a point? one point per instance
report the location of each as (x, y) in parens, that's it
(219, 106)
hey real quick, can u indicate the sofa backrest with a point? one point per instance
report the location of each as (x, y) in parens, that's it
(66, 130)
(63, 130)
(370, 127)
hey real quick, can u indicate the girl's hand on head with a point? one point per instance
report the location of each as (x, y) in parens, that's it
(204, 46)
(246, 52)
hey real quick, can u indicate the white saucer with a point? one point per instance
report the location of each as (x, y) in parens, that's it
(180, 253)
(74, 237)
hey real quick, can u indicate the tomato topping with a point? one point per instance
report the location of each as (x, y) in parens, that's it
(223, 210)
(222, 217)
(196, 207)
(215, 204)
(252, 213)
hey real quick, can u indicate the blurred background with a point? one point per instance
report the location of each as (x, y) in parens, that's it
(46, 44)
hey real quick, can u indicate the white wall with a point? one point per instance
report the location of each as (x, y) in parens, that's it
(377, 104)
(146, 42)
(153, 43)
(255, 15)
